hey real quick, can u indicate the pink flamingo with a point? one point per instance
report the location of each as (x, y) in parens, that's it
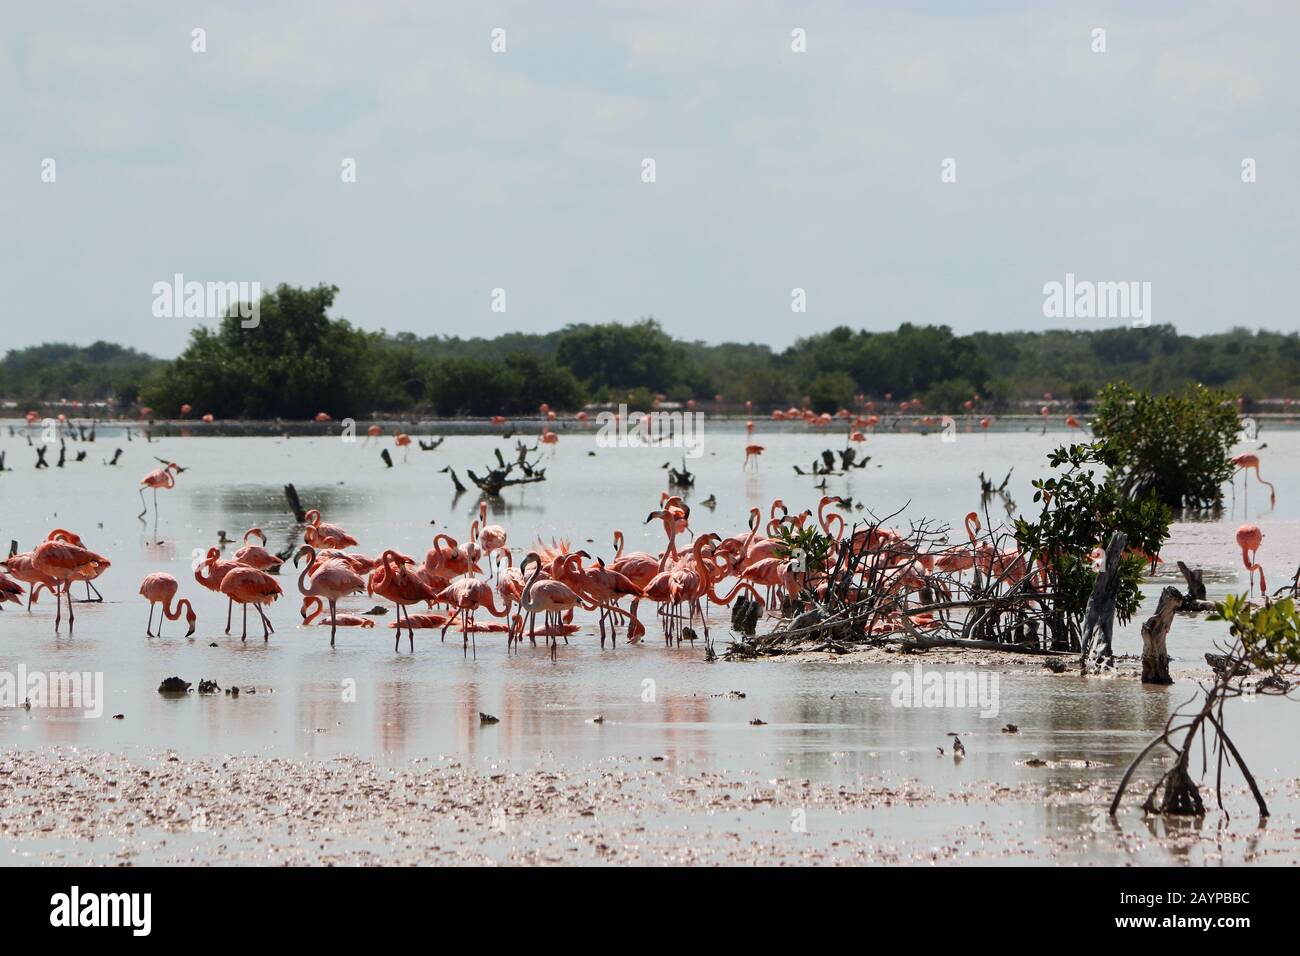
(466, 595)
(313, 607)
(492, 537)
(164, 477)
(1249, 538)
(10, 590)
(330, 581)
(256, 555)
(637, 566)
(320, 535)
(65, 563)
(604, 586)
(421, 621)
(250, 586)
(751, 456)
(394, 580)
(23, 567)
(554, 598)
(1246, 463)
(217, 568)
(160, 588)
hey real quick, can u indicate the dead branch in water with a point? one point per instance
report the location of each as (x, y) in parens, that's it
(878, 591)
(498, 478)
(1155, 631)
(1265, 642)
(827, 465)
(291, 495)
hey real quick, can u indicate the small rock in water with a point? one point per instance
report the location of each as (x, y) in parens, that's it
(208, 687)
(487, 718)
(757, 722)
(376, 611)
(213, 644)
(1055, 665)
(598, 719)
(119, 716)
(173, 685)
(1011, 729)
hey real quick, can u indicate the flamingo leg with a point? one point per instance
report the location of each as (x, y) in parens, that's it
(334, 620)
(148, 628)
(397, 631)
(144, 505)
(244, 636)
(230, 606)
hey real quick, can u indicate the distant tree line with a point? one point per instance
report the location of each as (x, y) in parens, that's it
(299, 360)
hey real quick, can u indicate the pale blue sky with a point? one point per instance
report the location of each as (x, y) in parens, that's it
(522, 170)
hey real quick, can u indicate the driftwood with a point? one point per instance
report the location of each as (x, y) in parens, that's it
(680, 479)
(988, 490)
(1155, 630)
(1194, 597)
(455, 480)
(291, 495)
(1100, 615)
(498, 478)
(922, 641)
(827, 464)
(1195, 582)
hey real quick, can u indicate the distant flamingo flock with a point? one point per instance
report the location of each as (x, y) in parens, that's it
(680, 583)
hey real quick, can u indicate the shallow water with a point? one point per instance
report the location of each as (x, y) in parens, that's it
(830, 721)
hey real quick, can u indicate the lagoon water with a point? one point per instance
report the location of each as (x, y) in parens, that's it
(826, 720)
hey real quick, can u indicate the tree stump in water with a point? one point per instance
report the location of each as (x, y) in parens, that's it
(1155, 630)
(1100, 615)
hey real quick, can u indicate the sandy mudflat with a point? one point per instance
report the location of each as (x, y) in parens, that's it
(63, 806)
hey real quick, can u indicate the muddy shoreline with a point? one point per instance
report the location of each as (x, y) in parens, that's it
(64, 806)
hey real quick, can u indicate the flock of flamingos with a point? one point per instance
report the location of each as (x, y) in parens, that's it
(553, 580)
